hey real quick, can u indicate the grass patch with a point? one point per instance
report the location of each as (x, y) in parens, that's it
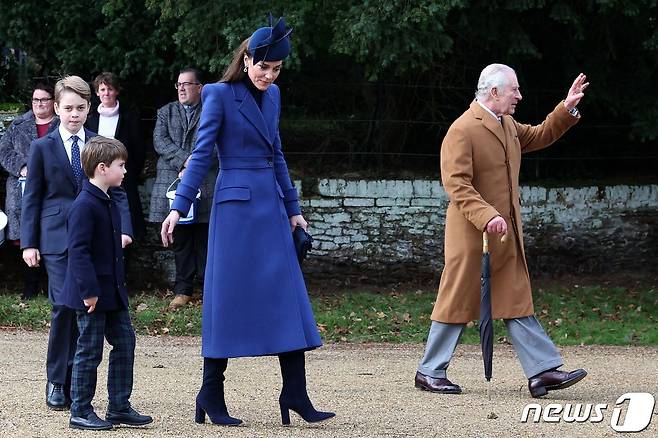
(575, 315)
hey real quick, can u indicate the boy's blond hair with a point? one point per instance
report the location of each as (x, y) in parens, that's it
(101, 150)
(75, 84)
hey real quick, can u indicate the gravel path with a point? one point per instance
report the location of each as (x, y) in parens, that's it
(369, 386)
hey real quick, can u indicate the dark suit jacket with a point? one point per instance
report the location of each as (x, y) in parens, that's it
(50, 190)
(95, 262)
(129, 133)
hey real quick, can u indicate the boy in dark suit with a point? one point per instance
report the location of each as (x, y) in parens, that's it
(95, 288)
(53, 181)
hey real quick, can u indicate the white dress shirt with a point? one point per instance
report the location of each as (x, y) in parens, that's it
(68, 142)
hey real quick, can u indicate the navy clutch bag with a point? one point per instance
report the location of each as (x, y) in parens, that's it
(303, 243)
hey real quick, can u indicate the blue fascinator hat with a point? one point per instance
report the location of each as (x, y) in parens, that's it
(270, 43)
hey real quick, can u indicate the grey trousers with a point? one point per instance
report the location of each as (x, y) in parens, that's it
(534, 348)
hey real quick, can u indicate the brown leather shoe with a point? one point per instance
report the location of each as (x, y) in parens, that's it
(179, 301)
(551, 380)
(434, 384)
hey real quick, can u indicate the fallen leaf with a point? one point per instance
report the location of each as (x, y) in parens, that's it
(142, 307)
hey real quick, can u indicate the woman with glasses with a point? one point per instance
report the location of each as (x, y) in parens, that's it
(14, 149)
(255, 300)
(112, 120)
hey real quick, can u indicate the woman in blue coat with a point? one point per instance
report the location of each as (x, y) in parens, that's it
(255, 301)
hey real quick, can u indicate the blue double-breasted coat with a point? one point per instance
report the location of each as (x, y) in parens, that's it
(255, 301)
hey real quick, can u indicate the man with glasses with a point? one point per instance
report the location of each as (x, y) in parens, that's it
(174, 138)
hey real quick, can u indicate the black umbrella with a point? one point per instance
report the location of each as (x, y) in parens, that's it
(486, 322)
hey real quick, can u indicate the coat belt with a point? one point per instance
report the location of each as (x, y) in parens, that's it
(250, 162)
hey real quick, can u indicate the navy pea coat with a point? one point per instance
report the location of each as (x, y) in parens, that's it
(255, 301)
(95, 259)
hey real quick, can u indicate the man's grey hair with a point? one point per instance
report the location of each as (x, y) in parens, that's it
(492, 76)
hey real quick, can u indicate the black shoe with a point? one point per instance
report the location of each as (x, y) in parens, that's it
(435, 384)
(129, 417)
(90, 422)
(551, 380)
(56, 398)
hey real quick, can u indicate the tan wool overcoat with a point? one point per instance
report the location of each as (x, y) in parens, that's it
(480, 162)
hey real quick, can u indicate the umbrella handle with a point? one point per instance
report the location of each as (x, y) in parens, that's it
(485, 241)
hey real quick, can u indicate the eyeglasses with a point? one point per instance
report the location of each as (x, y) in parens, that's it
(179, 85)
(42, 100)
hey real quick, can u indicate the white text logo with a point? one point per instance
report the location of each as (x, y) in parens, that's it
(637, 417)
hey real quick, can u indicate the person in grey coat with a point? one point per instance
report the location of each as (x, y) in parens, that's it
(14, 148)
(174, 138)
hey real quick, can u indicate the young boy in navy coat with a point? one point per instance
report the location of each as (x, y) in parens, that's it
(95, 288)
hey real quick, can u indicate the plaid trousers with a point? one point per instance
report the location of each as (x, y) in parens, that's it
(115, 326)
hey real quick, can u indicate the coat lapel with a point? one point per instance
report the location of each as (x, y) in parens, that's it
(118, 128)
(193, 122)
(250, 110)
(181, 115)
(270, 113)
(61, 156)
(489, 122)
(93, 120)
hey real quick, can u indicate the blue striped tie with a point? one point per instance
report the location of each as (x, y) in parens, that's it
(75, 162)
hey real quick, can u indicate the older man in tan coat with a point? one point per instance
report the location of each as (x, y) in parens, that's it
(480, 162)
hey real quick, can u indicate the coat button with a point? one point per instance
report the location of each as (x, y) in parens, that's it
(269, 163)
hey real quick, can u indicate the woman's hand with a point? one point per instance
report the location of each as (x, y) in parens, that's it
(168, 225)
(298, 221)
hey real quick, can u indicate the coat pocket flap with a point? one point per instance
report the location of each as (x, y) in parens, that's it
(50, 211)
(233, 194)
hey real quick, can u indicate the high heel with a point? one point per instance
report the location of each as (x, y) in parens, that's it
(293, 394)
(210, 399)
(304, 410)
(217, 417)
(285, 415)
(200, 415)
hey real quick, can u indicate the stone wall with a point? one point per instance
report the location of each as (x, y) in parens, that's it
(392, 230)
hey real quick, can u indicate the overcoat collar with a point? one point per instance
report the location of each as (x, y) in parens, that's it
(60, 152)
(489, 122)
(95, 191)
(263, 119)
